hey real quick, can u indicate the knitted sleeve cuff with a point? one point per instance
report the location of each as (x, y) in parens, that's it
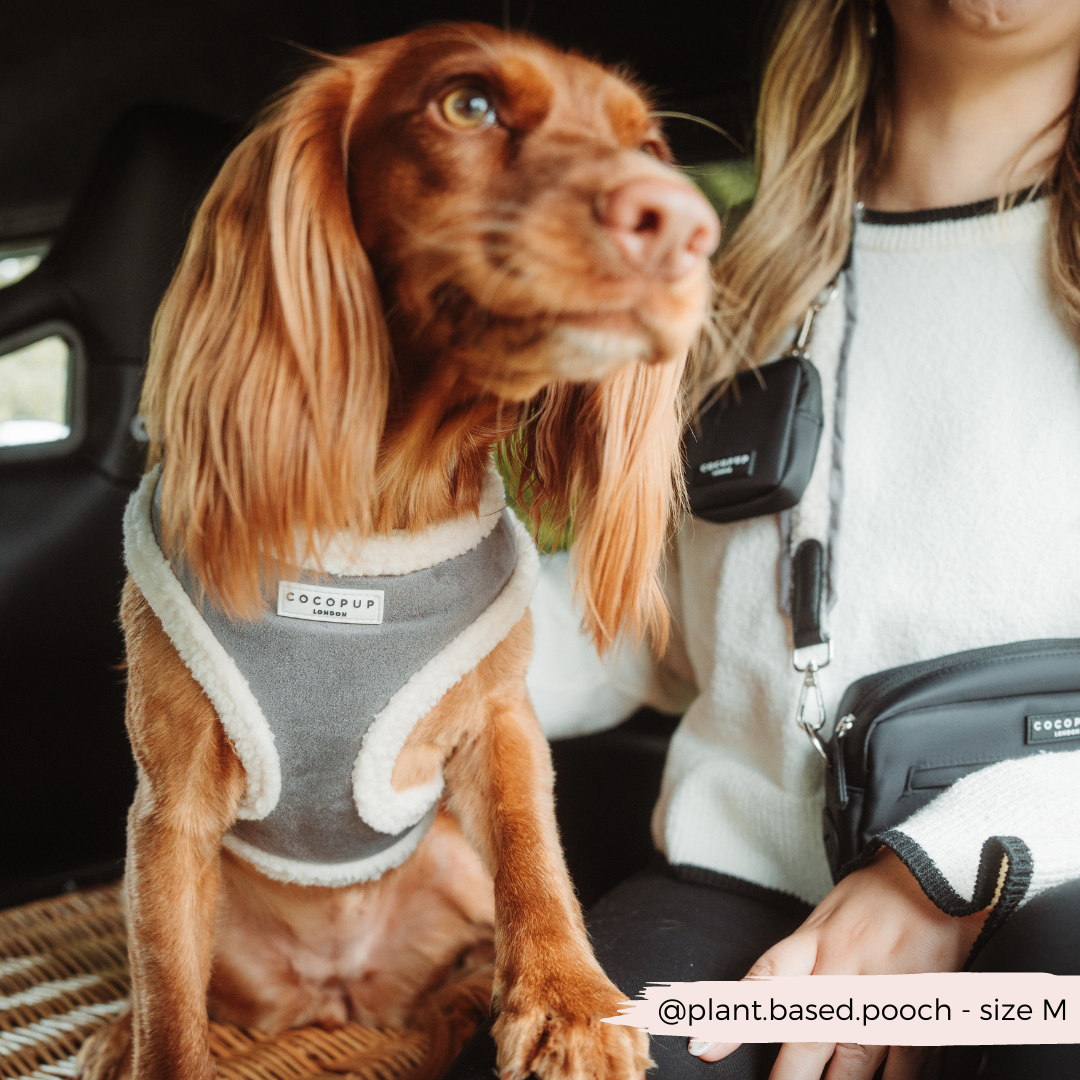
(996, 838)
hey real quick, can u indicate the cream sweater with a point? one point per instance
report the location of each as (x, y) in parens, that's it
(959, 528)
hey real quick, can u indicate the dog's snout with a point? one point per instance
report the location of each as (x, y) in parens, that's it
(662, 226)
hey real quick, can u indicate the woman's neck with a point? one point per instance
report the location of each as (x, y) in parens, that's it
(974, 115)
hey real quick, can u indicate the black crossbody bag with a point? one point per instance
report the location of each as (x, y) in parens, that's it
(905, 735)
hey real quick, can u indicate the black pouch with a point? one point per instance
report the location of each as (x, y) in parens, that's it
(751, 452)
(906, 734)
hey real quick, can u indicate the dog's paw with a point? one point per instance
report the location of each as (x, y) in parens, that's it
(569, 1043)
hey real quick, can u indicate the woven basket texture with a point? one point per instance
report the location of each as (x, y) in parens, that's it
(64, 974)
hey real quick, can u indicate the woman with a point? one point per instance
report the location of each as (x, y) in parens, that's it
(962, 372)
(947, 490)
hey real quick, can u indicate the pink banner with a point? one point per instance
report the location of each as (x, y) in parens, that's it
(877, 1010)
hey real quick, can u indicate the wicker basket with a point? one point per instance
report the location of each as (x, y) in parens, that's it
(64, 973)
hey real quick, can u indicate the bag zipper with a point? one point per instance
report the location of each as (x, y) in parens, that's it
(875, 695)
(878, 694)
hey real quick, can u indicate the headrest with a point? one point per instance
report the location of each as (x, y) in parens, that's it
(113, 259)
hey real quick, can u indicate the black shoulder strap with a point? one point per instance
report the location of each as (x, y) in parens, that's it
(808, 594)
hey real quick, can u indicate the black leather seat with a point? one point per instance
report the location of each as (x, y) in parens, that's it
(606, 786)
(66, 773)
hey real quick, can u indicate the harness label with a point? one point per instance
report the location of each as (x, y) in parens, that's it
(320, 603)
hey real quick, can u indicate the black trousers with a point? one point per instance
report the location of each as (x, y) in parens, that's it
(682, 924)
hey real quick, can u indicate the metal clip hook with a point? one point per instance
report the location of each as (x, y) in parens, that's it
(812, 727)
(802, 339)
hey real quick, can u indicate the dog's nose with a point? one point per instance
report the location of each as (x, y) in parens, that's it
(661, 226)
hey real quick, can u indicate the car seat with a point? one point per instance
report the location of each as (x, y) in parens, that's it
(66, 772)
(606, 785)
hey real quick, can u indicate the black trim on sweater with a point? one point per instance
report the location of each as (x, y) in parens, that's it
(948, 213)
(995, 851)
(713, 879)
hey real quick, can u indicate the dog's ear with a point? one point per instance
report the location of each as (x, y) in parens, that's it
(269, 367)
(606, 457)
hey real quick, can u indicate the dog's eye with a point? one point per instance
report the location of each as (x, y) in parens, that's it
(468, 108)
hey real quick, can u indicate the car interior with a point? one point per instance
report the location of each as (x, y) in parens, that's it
(114, 118)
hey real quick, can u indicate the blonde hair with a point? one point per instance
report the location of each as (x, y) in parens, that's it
(823, 130)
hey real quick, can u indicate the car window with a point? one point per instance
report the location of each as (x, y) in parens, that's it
(34, 392)
(18, 260)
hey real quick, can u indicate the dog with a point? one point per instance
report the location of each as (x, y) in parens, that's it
(434, 246)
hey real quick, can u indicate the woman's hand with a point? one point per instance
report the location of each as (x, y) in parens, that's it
(877, 921)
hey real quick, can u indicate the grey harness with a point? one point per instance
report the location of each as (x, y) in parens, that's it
(320, 684)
